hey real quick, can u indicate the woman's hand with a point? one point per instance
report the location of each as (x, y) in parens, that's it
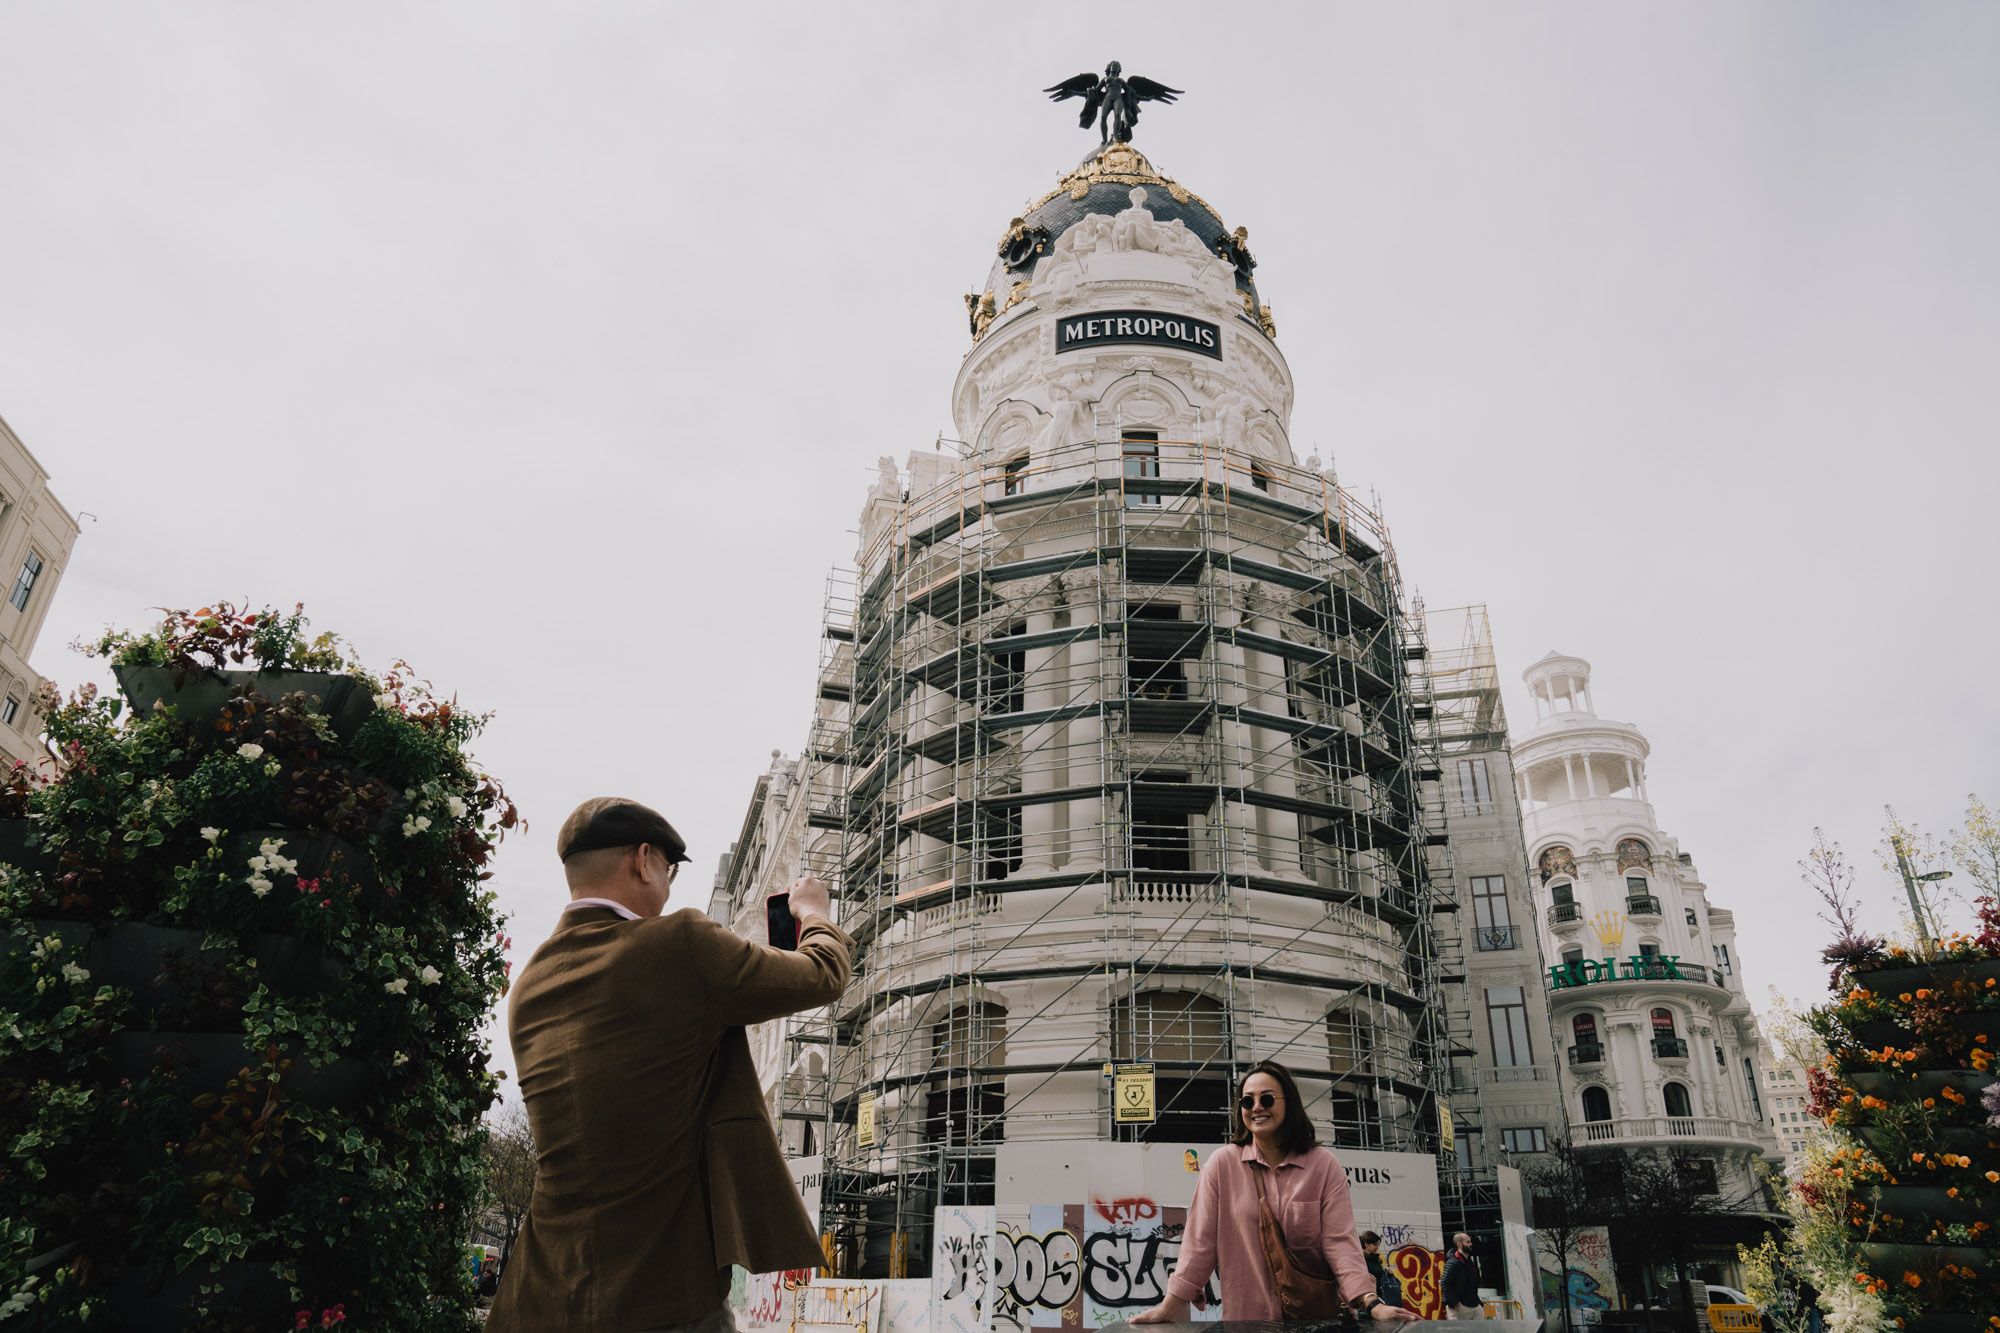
(1172, 1310)
(1386, 1313)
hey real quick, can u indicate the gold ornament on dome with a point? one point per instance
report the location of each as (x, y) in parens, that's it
(981, 312)
(1018, 294)
(1269, 325)
(1120, 164)
(1609, 927)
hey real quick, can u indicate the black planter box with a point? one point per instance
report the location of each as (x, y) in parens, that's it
(198, 696)
(1909, 978)
(1927, 1202)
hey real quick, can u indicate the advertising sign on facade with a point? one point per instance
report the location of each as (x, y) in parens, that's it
(1132, 1095)
(1102, 327)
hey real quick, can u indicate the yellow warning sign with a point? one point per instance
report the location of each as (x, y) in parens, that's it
(864, 1121)
(1445, 1133)
(1132, 1095)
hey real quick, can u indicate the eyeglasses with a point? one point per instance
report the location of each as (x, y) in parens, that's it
(1265, 1100)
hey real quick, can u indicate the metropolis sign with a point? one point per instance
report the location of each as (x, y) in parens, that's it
(1138, 326)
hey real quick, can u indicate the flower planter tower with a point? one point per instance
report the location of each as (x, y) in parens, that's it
(1911, 1042)
(245, 959)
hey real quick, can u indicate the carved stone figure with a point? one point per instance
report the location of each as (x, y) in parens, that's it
(1135, 228)
(1232, 418)
(1112, 100)
(888, 485)
(979, 311)
(1067, 408)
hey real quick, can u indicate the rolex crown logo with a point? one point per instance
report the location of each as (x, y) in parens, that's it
(1610, 930)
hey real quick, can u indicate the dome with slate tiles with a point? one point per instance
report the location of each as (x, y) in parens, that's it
(1102, 184)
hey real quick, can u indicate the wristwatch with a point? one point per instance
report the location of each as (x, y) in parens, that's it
(1365, 1304)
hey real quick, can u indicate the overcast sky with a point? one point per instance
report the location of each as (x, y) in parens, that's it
(552, 347)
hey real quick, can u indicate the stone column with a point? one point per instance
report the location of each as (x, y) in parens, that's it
(1041, 757)
(1238, 741)
(1276, 765)
(1084, 740)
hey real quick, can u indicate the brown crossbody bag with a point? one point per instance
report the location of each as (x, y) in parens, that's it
(1305, 1296)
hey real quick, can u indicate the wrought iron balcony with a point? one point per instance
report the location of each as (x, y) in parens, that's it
(1670, 1048)
(1642, 904)
(1565, 914)
(1586, 1053)
(1489, 939)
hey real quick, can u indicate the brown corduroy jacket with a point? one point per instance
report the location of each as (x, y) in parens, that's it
(657, 1164)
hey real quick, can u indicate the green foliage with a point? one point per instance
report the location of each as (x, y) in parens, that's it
(330, 894)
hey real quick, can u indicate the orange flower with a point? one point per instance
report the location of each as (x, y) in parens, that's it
(1923, 993)
(1904, 997)
(1912, 1281)
(1916, 1157)
(1993, 1177)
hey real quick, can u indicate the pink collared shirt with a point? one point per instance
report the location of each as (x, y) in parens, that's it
(1308, 1197)
(620, 908)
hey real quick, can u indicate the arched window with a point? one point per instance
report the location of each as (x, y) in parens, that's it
(1584, 1028)
(1185, 1037)
(1562, 893)
(1014, 474)
(1663, 1023)
(968, 1097)
(1676, 1095)
(1596, 1104)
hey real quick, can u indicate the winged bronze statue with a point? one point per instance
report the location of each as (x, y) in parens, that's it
(1113, 100)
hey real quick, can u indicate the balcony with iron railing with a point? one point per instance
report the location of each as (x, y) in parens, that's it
(1670, 1048)
(1586, 1053)
(1565, 914)
(1642, 904)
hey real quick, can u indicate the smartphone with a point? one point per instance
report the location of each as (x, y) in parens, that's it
(779, 923)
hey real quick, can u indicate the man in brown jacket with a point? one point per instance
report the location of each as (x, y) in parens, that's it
(657, 1165)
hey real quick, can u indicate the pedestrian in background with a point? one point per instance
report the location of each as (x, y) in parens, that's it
(657, 1167)
(1272, 1215)
(1460, 1288)
(1387, 1285)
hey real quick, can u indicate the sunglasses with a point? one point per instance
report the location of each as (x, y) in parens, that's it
(1265, 1100)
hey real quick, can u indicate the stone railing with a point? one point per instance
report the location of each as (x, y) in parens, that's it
(1668, 1127)
(1164, 892)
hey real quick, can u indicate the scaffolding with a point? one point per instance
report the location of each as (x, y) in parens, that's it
(1125, 754)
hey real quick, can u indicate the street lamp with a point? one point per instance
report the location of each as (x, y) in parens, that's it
(1926, 932)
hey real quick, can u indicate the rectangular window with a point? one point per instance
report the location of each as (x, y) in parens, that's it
(1012, 473)
(1141, 449)
(31, 569)
(1492, 918)
(1692, 923)
(1507, 1023)
(1149, 675)
(10, 710)
(1161, 838)
(1722, 960)
(1475, 790)
(1635, 886)
(1525, 1140)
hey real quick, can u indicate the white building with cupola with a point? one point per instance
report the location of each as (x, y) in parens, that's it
(1644, 981)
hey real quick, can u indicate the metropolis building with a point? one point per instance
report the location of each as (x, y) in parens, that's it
(1644, 982)
(1129, 748)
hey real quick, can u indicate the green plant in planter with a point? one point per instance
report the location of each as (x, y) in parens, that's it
(292, 1091)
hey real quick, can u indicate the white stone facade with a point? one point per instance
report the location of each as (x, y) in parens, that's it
(1645, 983)
(36, 535)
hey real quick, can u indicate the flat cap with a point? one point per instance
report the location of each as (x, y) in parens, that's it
(613, 821)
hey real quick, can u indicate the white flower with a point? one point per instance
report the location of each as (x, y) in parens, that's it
(260, 863)
(253, 752)
(272, 769)
(72, 973)
(396, 987)
(259, 885)
(415, 824)
(400, 1060)
(455, 807)
(210, 832)
(50, 944)
(385, 700)
(430, 976)
(271, 846)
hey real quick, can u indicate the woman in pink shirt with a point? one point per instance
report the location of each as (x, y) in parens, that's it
(1307, 1191)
